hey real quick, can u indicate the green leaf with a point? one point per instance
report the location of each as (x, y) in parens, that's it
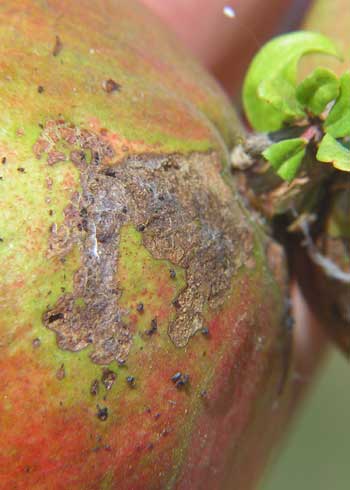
(272, 78)
(338, 121)
(317, 90)
(286, 157)
(331, 151)
(280, 93)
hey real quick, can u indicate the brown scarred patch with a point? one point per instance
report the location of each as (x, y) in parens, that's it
(188, 216)
(57, 47)
(110, 86)
(61, 373)
(108, 378)
(55, 157)
(60, 141)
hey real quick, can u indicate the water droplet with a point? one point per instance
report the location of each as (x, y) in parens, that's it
(229, 12)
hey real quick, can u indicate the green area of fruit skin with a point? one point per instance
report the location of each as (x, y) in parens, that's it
(155, 436)
(156, 104)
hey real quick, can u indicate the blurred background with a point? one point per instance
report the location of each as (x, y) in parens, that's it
(317, 453)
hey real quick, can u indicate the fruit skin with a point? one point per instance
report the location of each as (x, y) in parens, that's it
(94, 92)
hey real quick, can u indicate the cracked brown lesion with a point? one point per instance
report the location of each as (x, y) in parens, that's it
(188, 216)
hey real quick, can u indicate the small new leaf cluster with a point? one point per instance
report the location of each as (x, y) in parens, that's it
(319, 106)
